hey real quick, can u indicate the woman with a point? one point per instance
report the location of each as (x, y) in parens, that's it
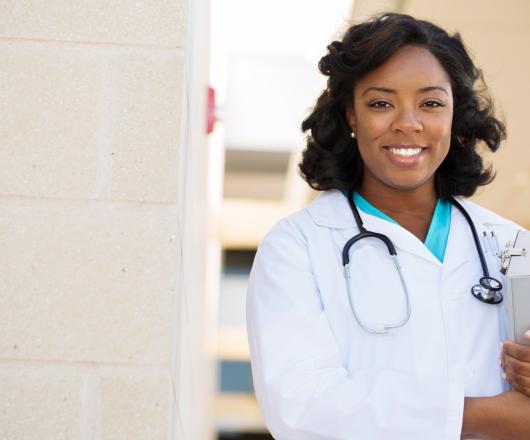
(376, 354)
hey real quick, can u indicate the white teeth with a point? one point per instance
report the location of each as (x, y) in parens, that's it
(405, 151)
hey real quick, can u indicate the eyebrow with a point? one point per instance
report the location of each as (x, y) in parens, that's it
(422, 90)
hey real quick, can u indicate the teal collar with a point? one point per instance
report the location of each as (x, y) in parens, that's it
(438, 234)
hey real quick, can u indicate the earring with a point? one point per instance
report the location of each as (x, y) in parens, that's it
(352, 135)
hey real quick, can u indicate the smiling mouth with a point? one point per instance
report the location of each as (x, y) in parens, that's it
(404, 151)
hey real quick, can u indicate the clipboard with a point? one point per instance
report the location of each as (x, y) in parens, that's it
(515, 261)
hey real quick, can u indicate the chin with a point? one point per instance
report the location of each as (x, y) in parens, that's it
(407, 184)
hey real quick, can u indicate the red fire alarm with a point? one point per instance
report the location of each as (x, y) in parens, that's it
(210, 110)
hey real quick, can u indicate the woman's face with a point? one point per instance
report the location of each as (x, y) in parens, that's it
(402, 119)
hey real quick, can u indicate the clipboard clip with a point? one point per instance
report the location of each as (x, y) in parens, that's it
(506, 255)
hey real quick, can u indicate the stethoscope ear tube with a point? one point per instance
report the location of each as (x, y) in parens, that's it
(366, 234)
(383, 329)
(363, 233)
(475, 236)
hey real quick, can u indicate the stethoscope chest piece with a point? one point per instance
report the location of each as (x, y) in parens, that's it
(488, 290)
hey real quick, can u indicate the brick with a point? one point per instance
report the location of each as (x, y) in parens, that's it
(141, 22)
(87, 281)
(145, 126)
(134, 408)
(49, 102)
(40, 406)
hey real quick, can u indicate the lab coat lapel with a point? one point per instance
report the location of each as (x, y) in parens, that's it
(460, 245)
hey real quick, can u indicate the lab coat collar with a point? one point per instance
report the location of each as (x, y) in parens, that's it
(331, 209)
(460, 244)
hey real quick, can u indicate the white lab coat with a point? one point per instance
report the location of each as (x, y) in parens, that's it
(318, 376)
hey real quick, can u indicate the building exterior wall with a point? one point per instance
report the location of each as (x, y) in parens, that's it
(101, 325)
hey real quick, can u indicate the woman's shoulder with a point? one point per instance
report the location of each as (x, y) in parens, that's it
(329, 209)
(293, 227)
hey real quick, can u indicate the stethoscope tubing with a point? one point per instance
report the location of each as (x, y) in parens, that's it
(487, 291)
(476, 239)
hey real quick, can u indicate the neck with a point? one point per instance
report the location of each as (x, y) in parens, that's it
(397, 202)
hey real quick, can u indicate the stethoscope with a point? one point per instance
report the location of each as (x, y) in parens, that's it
(488, 290)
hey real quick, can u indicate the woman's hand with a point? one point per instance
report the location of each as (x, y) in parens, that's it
(505, 416)
(515, 361)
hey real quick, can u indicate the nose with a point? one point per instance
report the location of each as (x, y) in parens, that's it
(407, 121)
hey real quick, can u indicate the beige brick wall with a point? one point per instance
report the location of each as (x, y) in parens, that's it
(93, 210)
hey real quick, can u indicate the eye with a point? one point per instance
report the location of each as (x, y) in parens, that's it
(433, 103)
(380, 104)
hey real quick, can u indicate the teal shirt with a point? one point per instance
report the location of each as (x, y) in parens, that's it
(438, 234)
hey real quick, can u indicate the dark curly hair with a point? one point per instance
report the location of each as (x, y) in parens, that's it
(331, 158)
